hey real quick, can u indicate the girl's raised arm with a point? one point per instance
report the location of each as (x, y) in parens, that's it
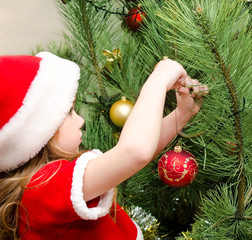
(140, 135)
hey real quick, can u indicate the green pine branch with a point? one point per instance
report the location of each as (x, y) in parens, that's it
(210, 40)
(91, 44)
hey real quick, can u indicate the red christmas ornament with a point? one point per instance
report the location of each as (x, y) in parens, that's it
(177, 168)
(135, 18)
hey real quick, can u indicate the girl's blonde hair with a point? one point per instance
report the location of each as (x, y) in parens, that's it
(13, 184)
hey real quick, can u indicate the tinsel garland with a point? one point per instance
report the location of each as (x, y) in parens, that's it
(148, 224)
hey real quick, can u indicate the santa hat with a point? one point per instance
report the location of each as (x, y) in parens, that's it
(36, 94)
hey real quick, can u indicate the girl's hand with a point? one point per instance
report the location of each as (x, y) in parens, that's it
(189, 96)
(170, 73)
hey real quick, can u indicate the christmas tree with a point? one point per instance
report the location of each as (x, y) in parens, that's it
(117, 44)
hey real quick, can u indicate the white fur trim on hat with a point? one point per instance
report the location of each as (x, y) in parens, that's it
(77, 199)
(46, 104)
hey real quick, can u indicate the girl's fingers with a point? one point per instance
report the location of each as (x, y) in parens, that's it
(196, 89)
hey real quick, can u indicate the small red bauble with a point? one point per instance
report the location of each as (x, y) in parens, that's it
(177, 168)
(135, 18)
(232, 146)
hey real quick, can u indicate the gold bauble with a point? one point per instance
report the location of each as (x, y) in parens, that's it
(120, 111)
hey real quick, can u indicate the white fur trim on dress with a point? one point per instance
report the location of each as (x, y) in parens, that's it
(139, 232)
(45, 106)
(77, 199)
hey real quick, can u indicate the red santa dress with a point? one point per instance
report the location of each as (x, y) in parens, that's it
(52, 207)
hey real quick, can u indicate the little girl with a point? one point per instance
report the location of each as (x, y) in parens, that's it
(50, 190)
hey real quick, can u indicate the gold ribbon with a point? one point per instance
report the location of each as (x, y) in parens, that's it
(112, 57)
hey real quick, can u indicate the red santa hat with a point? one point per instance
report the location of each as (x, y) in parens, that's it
(36, 94)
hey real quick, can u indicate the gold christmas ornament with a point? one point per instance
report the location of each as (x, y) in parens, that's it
(120, 111)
